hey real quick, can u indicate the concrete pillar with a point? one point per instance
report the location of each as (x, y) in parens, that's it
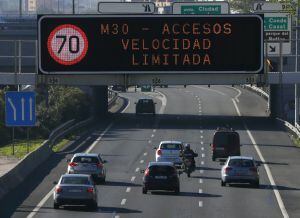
(100, 100)
(274, 101)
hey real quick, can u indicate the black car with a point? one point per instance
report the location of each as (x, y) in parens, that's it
(226, 142)
(161, 176)
(145, 106)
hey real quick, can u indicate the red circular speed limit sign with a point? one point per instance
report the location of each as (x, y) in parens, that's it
(67, 44)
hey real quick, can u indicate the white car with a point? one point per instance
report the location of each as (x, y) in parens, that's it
(169, 151)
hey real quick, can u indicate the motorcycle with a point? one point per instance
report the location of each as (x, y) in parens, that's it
(189, 165)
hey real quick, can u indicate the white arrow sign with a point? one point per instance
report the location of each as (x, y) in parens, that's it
(30, 108)
(14, 108)
(23, 108)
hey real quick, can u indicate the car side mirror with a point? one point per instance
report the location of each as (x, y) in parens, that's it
(222, 163)
(142, 171)
(155, 148)
(55, 183)
(68, 160)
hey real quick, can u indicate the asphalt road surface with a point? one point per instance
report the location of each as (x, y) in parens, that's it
(191, 115)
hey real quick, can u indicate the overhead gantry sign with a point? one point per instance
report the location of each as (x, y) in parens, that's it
(148, 44)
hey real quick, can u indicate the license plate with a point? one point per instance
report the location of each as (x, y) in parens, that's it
(161, 177)
(75, 190)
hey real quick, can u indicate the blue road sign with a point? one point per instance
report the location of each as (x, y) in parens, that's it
(20, 109)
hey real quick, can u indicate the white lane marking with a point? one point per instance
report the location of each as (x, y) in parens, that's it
(200, 191)
(40, 204)
(238, 95)
(201, 136)
(201, 131)
(126, 107)
(163, 100)
(200, 181)
(137, 169)
(149, 141)
(266, 166)
(210, 89)
(142, 161)
(117, 216)
(132, 178)
(202, 148)
(99, 138)
(47, 196)
(201, 143)
(152, 136)
(145, 154)
(202, 162)
(196, 96)
(201, 171)
(128, 189)
(236, 107)
(154, 130)
(200, 204)
(202, 155)
(123, 202)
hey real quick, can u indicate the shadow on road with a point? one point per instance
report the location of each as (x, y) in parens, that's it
(115, 183)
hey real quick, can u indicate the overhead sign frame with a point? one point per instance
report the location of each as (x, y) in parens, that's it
(126, 7)
(224, 6)
(253, 19)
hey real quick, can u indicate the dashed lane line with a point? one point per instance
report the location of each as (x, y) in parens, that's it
(152, 136)
(123, 202)
(132, 178)
(128, 189)
(142, 161)
(202, 148)
(200, 203)
(149, 141)
(145, 154)
(201, 171)
(200, 181)
(137, 169)
(202, 155)
(202, 162)
(200, 191)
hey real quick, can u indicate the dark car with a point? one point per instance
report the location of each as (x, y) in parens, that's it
(161, 176)
(226, 142)
(145, 106)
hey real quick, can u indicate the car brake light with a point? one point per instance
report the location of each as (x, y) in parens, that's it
(90, 190)
(58, 190)
(72, 164)
(147, 172)
(159, 152)
(100, 165)
(253, 169)
(227, 169)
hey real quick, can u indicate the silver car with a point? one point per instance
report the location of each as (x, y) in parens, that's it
(240, 169)
(90, 164)
(169, 151)
(76, 189)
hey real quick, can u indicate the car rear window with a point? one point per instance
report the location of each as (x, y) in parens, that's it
(79, 159)
(170, 146)
(145, 101)
(240, 163)
(226, 138)
(75, 180)
(161, 170)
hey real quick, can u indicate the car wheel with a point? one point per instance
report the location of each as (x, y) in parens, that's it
(256, 184)
(144, 190)
(223, 183)
(56, 206)
(177, 190)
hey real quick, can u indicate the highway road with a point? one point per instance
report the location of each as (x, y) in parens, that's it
(189, 114)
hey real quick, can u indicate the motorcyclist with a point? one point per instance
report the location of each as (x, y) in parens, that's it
(188, 153)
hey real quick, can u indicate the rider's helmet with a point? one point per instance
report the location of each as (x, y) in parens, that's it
(187, 146)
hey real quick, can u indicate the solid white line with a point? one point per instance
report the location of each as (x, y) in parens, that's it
(163, 100)
(200, 204)
(142, 161)
(200, 181)
(137, 169)
(99, 138)
(40, 204)
(126, 107)
(132, 178)
(238, 95)
(123, 201)
(267, 169)
(47, 196)
(200, 191)
(128, 189)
